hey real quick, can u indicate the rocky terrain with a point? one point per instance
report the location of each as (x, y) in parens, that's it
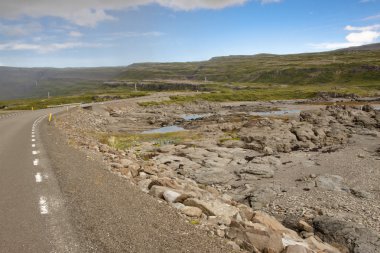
(270, 177)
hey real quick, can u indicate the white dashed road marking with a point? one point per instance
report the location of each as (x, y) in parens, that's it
(36, 162)
(38, 177)
(43, 205)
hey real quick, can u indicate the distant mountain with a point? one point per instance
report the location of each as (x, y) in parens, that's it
(37, 82)
(361, 64)
(357, 64)
(369, 47)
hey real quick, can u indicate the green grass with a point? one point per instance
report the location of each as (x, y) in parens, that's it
(260, 92)
(128, 141)
(298, 69)
(28, 104)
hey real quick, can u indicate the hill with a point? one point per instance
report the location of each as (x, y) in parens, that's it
(37, 82)
(357, 66)
(351, 65)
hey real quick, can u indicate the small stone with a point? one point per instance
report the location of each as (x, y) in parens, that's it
(171, 196)
(268, 151)
(220, 233)
(233, 245)
(361, 155)
(179, 206)
(305, 234)
(126, 162)
(304, 226)
(158, 191)
(191, 211)
(297, 249)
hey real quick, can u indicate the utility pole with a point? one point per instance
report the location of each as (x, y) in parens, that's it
(135, 86)
(48, 94)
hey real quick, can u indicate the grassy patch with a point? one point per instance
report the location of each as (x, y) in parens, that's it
(296, 69)
(128, 141)
(28, 104)
(259, 92)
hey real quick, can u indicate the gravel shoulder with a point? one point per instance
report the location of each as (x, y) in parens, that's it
(108, 214)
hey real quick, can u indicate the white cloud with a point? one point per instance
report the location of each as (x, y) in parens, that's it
(137, 34)
(270, 1)
(362, 28)
(90, 12)
(75, 34)
(364, 37)
(19, 30)
(359, 36)
(372, 17)
(45, 48)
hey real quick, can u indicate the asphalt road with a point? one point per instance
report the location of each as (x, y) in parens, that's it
(54, 198)
(28, 190)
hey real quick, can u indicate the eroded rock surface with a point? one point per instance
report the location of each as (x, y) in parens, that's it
(235, 165)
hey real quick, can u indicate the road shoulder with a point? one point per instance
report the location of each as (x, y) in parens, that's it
(108, 214)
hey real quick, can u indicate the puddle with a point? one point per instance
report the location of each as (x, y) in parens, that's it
(163, 130)
(191, 117)
(275, 113)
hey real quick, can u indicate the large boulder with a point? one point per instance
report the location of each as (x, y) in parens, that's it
(261, 170)
(212, 208)
(331, 183)
(357, 238)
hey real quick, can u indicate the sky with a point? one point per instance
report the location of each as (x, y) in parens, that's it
(90, 33)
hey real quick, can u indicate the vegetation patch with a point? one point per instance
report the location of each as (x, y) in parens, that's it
(128, 141)
(29, 104)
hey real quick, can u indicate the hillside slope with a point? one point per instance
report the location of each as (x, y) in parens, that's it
(350, 65)
(357, 65)
(37, 82)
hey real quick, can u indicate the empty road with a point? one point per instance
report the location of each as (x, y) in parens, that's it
(28, 190)
(54, 198)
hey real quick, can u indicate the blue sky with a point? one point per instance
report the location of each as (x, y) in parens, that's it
(120, 32)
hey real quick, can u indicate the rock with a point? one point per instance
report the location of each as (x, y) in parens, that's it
(272, 223)
(264, 239)
(262, 170)
(215, 175)
(357, 238)
(144, 185)
(305, 234)
(220, 233)
(178, 206)
(191, 211)
(291, 221)
(360, 193)
(164, 181)
(212, 208)
(158, 191)
(171, 196)
(331, 183)
(233, 245)
(297, 249)
(126, 162)
(361, 155)
(318, 246)
(304, 226)
(268, 151)
(245, 212)
(262, 196)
